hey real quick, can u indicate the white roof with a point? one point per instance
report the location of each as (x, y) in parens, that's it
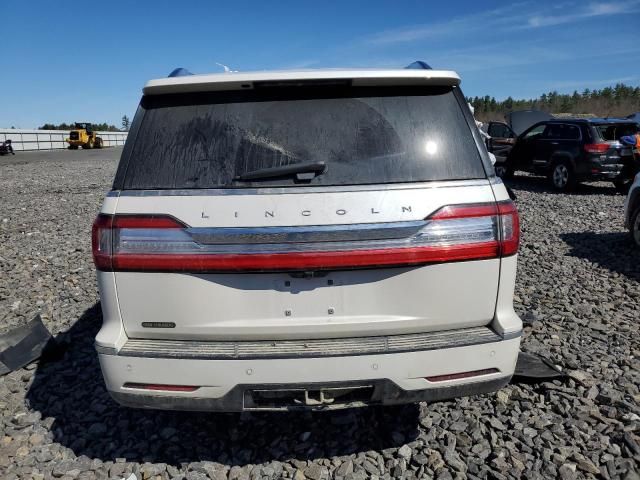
(244, 80)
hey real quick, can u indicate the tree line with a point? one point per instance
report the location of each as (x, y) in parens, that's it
(618, 101)
(98, 127)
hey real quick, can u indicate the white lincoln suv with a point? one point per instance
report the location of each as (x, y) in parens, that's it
(305, 240)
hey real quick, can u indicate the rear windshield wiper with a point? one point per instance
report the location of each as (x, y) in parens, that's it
(302, 171)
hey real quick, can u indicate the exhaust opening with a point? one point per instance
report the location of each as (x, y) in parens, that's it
(282, 399)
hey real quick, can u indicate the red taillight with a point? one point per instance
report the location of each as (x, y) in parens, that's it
(461, 375)
(509, 221)
(509, 229)
(104, 226)
(162, 243)
(101, 242)
(304, 260)
(161, 387)
(465, 211)
(146, 221)
(596, 147)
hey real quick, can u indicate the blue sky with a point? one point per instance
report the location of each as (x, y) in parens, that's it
(89, 61)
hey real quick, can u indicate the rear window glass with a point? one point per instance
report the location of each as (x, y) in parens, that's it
(614, 131)
(364, 136)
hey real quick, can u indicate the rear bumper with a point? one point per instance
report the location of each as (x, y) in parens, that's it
(596, 171)
(384, 392)
(377, 379)
(625, 169)
(613, 175)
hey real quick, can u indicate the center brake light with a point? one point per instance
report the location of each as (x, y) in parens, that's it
(162, 243)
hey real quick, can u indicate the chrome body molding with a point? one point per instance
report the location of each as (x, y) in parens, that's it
(315, 233)
(211, 350)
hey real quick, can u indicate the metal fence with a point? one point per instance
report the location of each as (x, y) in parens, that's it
(22, 140)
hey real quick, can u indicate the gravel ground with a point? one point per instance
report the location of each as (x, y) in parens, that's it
(578, 290)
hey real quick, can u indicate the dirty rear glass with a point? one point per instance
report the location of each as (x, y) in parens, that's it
(364, 136)
(615, 131)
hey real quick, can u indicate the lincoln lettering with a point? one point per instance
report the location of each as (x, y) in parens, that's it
(308, 213)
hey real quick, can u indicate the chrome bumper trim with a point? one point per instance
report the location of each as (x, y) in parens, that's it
(212, 350)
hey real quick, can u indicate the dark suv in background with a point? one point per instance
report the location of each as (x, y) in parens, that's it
(503, 135)
(569, 151)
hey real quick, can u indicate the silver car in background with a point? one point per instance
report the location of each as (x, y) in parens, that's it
(632, 211)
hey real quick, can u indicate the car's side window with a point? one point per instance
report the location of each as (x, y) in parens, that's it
(561, 131)
(535, 132)
(572, 132)
(499, 130)
(551, 132)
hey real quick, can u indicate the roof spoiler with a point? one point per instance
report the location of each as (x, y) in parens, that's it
(358, 77)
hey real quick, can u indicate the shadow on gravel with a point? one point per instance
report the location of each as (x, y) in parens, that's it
(541, 185)
(613, 251)
(86, 420)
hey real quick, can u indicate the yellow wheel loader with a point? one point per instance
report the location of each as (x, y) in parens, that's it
(83, 136)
